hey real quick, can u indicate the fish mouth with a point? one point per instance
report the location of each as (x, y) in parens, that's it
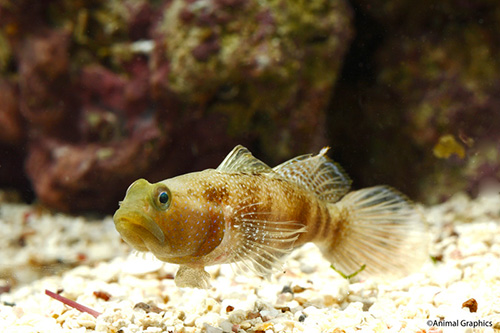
(138, 231)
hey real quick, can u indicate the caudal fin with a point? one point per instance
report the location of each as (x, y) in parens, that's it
(379, 228)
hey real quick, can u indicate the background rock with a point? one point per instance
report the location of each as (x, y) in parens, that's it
(95, 95)
(418, 74)
(104, 93)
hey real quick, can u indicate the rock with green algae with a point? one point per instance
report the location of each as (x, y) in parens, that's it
(436, 78)
(268, 66)
(45, 48)
(107, 89)
(449, 85)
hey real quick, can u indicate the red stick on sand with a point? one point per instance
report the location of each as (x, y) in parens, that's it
(71, 303)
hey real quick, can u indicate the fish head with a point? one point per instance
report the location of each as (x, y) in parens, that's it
(172, 219)
(135, 219)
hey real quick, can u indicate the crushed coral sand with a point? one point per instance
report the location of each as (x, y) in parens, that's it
(456, 290)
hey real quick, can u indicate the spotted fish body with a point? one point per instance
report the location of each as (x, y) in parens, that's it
(251, 215)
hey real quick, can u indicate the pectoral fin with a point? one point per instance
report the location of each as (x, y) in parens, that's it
(263, 240)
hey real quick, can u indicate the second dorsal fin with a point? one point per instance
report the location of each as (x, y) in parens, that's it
(318, 174)
(241, 159)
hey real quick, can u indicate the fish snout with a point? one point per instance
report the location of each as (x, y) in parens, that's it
(138, 230)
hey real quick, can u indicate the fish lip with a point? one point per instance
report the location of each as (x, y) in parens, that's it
(143, 222)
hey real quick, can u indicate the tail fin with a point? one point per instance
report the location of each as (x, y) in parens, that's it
(380, 228)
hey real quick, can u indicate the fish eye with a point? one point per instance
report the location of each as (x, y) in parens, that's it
(163, 197)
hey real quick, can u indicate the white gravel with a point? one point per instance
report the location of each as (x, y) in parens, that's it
(35, 243)
(308, 297)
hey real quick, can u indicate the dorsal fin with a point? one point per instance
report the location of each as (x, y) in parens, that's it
(318, 174)
(241, 159)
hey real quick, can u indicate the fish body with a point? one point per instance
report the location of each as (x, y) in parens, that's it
(251, 215)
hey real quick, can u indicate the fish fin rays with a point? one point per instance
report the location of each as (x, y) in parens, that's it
(318, 174)
(192, 277)
(381, 229)
(263, 243)
(240, 159)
